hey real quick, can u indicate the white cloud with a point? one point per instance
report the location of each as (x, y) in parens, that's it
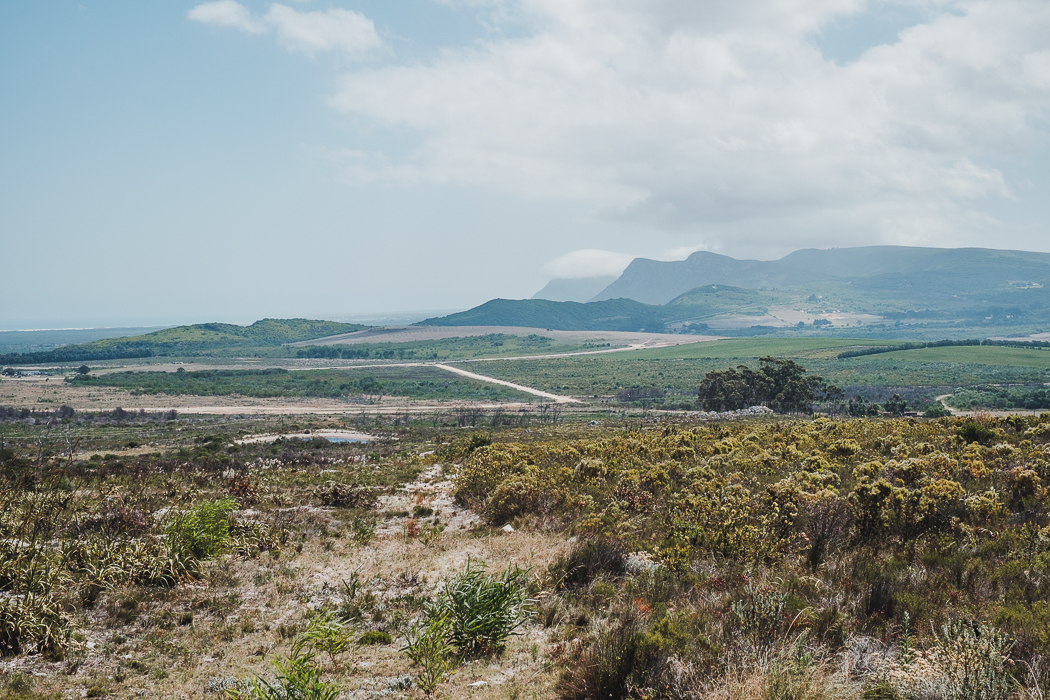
(328, 30)
(334, 29)
(725, 118)
(590, 262)
(227, 13)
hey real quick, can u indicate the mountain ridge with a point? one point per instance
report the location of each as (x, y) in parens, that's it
(658, 282)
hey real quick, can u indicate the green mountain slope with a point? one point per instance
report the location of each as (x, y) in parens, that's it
(713, 299)
(611, 315)
(197, 339)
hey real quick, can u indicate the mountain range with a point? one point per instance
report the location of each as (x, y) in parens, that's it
(935, 287)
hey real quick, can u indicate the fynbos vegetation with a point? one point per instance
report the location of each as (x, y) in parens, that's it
(768, 558)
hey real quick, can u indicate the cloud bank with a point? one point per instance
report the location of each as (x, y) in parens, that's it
(725, 119)
(589, 262)
(309, 33)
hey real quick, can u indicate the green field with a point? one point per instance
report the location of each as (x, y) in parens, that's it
(679, 369)
(465, 348)
(410, 382)
(918, 373)
(977, 355)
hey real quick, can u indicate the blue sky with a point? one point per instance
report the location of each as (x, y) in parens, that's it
(185, 161)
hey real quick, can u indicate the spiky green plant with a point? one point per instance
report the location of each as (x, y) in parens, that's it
(203, 531)
(325, 634)
(298, 678)
(484, 609)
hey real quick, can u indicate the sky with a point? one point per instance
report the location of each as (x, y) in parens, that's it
(178, 162)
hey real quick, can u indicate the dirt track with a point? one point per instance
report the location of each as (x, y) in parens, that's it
(519, 387)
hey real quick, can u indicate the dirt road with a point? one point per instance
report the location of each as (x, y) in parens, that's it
(528, 390)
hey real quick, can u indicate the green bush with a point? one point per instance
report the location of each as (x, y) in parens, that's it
(374, 637)
(514, 497)
(203, 531)
(484, 609)
(972, 431)
(326, 634)
(936, 410)
(296, 679)
(429, 647)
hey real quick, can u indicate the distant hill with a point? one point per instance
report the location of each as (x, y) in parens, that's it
(992, 276)
(610, 315)
(197, 339)
(574, 289)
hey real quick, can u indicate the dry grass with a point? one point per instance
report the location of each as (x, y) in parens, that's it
(178, 643)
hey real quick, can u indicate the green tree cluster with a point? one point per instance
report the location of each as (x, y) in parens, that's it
(782, 385)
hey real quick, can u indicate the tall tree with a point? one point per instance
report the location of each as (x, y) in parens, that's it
(782, 385)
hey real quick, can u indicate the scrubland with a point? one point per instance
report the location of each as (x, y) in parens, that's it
(771, 558)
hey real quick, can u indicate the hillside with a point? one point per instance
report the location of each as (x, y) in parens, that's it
(611, 315)
(713, 299)
(196, 339)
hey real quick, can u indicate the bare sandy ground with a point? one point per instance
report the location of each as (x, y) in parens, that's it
(327, 434)
(405, 334)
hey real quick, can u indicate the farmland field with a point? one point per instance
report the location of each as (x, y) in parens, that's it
(421, 382)
(680, 369)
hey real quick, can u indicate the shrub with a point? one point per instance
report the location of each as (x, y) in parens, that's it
(972, 431)
(484, 470)
(363, 530)
(484, 609)
(34, 622)
(760, 616)
(326, 634)
(968, 661)
(429, 647)
(296, 679)
(620, 662)
(586, 560)
(203, 531)
(936, 410)
(338, 495)
(374, 637)
(513, 497)
(478, 440)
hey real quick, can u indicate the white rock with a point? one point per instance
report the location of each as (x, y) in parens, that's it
(508, 528)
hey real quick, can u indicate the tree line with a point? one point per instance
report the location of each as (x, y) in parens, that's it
(879, 349)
